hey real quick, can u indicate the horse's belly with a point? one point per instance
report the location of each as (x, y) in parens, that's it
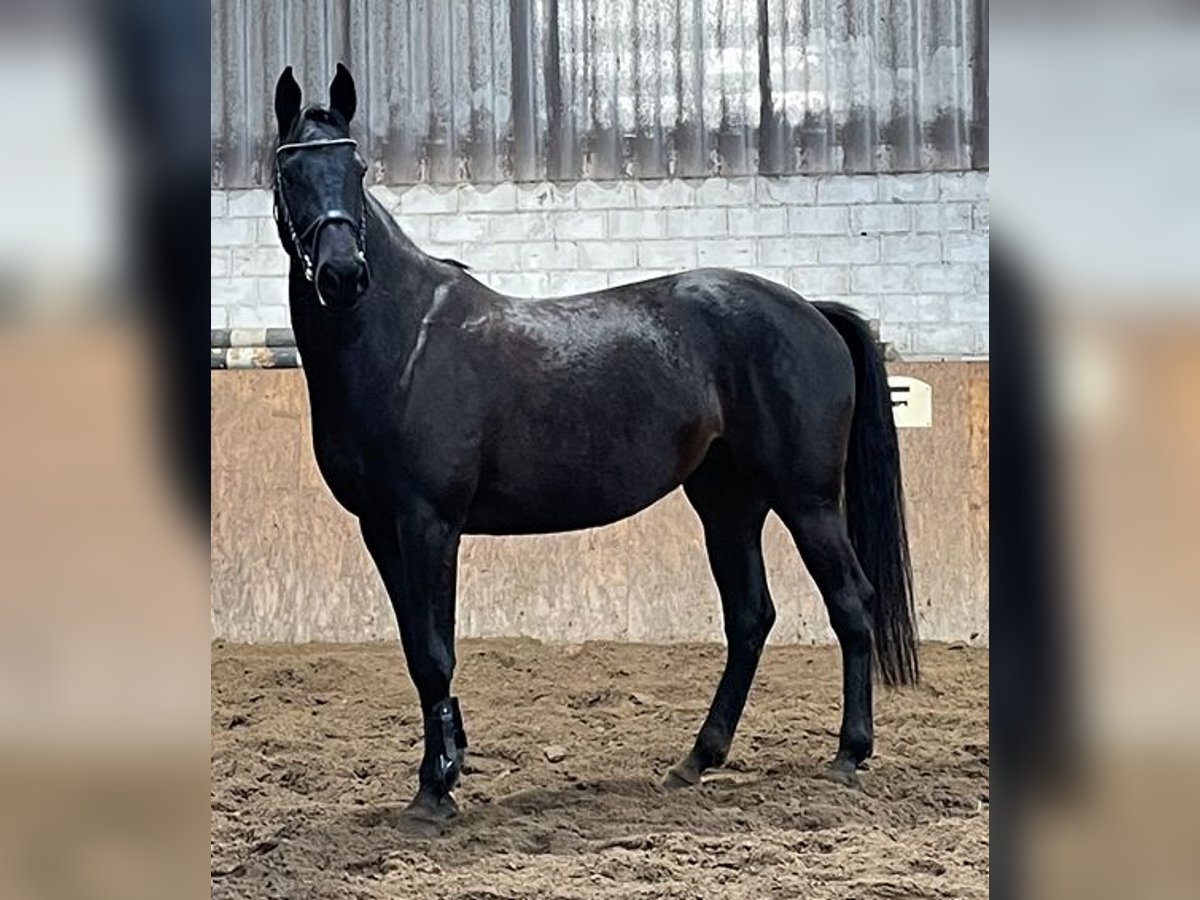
(542, 513)
(567, 481)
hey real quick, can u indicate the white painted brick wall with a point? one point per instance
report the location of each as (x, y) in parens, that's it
(910, 250)
(671, 255)
(712, 222)
(637, 224)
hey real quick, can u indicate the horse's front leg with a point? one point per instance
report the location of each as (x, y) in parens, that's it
(417, 555)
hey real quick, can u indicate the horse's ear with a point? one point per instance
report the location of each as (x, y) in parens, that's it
(343, 98)
(287, 101)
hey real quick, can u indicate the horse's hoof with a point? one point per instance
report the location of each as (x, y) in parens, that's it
(843, 771)
(684, 775)
(411, 826)
(428, 815)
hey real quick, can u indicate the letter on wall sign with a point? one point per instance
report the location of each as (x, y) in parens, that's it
(912, 402)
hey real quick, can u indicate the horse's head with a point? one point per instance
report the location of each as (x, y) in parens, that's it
(320, 205)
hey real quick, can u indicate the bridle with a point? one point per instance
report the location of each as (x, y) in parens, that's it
(306, 241)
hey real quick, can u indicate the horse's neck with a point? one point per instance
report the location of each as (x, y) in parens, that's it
(340, 348)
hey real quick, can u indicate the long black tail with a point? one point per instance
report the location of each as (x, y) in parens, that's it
(875, 501)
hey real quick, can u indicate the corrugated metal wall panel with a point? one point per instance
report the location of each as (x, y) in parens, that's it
(493, 90)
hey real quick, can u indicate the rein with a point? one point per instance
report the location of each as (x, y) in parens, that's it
(310, 234)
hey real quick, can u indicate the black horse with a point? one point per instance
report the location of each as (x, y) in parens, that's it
(442, 408)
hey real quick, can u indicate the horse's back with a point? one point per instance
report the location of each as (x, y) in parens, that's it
(602, 403)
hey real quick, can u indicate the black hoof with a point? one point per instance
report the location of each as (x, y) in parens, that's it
(429, 814)
(684, 775)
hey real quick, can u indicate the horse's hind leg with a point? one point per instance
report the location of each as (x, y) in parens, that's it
(820, 535)
(732, 516)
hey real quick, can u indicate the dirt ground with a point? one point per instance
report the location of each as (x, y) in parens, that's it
(315, 749)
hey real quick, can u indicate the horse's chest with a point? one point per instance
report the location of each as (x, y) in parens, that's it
(341, 464)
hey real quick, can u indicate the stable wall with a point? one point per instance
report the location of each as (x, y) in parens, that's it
(907, 250)
(288, 564)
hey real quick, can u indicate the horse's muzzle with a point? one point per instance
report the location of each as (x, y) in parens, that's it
(342, 280)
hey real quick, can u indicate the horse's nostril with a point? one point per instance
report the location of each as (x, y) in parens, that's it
(328, 280)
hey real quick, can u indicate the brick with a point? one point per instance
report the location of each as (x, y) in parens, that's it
(267, 234)
(697, 223)
(666, 254)
(822, 281)
(485, 198)
(966, 247)
(232, 232)
(218, 263)
(963, 186)
(561, 284)
(259, 261)
(787, 252)
(416, 226)
(758, 221)
(258, 317)
(983, 279)
(543, 255)
(607, 255)
(795, 190)
(948, 340)
(636, 223)
(983, 342)
(496, 257)
(605, 195)
(472, 227)
(915, 308)
(273, 292)
(912, 248)
(518, 284)
(909, 188)
(520, 227)
(981, 216)
(251, 204)
(632, 276)
(579, 225)
(845, 189)
(848, 249)
(725, 192)
(218, 317)
(880, 219)
(971, 308)
(942, 217)
(819, 220)
(946, 278)
(388, 196)
(233, 292)
(424, 198)
(883, 279)
(664, 194)
(217, 204)
(726, 253)
(543, 196)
